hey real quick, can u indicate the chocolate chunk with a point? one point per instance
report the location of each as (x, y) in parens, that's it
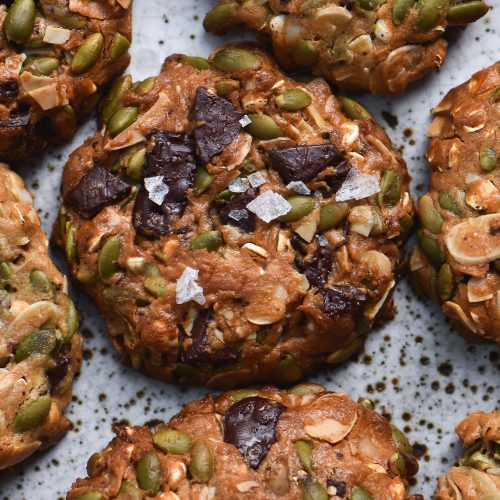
(199, 351)
(320, 267)
(219, 124)
(339, 486)
(250, 425)
(336, 179)
(9, 89)
(237, 214)
(342, 299)
(96, 190)
(304, 163)
(59, 370)
(172, 157)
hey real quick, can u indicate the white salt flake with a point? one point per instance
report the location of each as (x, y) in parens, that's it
(245, 121)
(298, 187)
(187, 289)
(157, 191)
(257, 179)
(238, 214)
(358, 186)
(269, 206)
(238, 186)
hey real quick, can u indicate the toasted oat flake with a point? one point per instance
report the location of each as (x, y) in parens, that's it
(257, 179)
(358, 186)
(187, 288)
(269, 206)
(298, 187)
(157, 191)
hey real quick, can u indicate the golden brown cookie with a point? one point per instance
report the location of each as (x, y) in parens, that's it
(40, 350)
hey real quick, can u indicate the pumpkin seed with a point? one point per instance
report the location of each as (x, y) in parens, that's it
(239, 394)
(211, 240)
(95, 464)
(293, 100)
(234, 60)
(352, 109)
(359, 493)
(42, 66)
(119, 89)
(312, 490)
(305, 53)
(345, 352)
(20, 21)
(202, 180)
(156, 285)
(70, 244)
(90, 103)
(445, 282)
(199, 63)
(367, 403)
(225, 87)
(391, 188)
(263, 127)
(86, 277)
(91, 495)
(301, 206)
(129, 491)
(71, 320)
(5, 271)
(31, 414)
(403, 464)
(41, 283)
(122, 119)
(467, 12)
(148, 471)
(119, 46)
(446, 202)
(201, 466)
(406, 225)
(306, 389)
(88, 53)
(187, 373)
(309, 6)
(172, 441)
(107, 261)
(368, 4)
(145, 86)
(218, 20)
(41, 341)
(400, 10)
(429, 216)
(430, 247)
(400, 440)
(488, 160)
(495, 96)
(304, 451)
(429, 12)
(135, 163)
(67, 19)
(288, 370)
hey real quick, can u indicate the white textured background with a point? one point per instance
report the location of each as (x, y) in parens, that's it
(418, 371)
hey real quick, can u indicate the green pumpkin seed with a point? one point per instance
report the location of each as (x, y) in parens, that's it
(309, 6)
(345, 352)
(312, 490)
(172, 441)
(107, 262)
(43, 66)
(89, 104)
(145, 86)
(70, 244)
(95, 464)
(225, 87)
(445, 282)
(199, 63)
(67, 19)
(5, 271)
(202, 180)
(119, 89)
(156, 285)
(400, 440)
(20, 21)
(391, 188)
(187, 373)
(406, 225)
(288, 370)
(31, 414)
(352, 109)
(400, 10)
(122, 119)
(404, 465)
(367, 4)
(41, 283)
(148, 471)
(87, 277)
(218, 20)
(41, 341)
(305, 53)
(239, 394)
(234, 60)
(201, 466)
(430, 247)
(359, 493)
(467, 12)
(446, 202)
(90, 495)
(429, 216)
(211, 240)
(429, 12)
(367, 403)
(293, 100)
(71, 320)
(306, 389)
(88, 53)
(301, 206)
(488, 159)
(119, 46)
(135, 163)
(129, 491)
(495, 97)
(263, 127)
(304, 451)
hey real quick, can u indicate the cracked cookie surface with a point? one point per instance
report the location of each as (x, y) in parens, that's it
(40, 350)
(263, 444)
(233, 225)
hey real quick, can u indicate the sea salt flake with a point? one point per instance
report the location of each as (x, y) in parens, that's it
(269, 206)
(187, 289)
(157, 191)
(245, 121)
(358, 186)
(298, 187)
(257, 179)
(238, 214)
(238, 186)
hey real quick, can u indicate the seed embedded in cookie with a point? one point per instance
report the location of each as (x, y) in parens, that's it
(305, 443)
(227, 240)
(40, 350)
(362, 44)
(458, 259)
(57, 59)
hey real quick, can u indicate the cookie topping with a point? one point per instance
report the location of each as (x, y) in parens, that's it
(238, 186)
(341, 299)
(97, 189)
(269, 206)
(298, 187)
(187, 289)
(257, 179)
(358, 186)
(236, 214)
(321, 265)
(250, 425)
(219, 124)
(156, 189)
(304, 163)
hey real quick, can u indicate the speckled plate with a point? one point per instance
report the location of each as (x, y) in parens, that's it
(420, 373)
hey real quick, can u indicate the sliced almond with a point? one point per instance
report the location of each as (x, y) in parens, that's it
(307, 229)
(455, 311)
(482, 194)
(246, 486)
(56, 36)
(479, 290)
(330, 430)
(255, 249)
(373, 310)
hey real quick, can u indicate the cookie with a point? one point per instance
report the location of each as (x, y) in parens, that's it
(458, 259)
(232, 225)
(356, 44)
(40, 350)
(57, 58)
(476, 477)
(268, 444)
